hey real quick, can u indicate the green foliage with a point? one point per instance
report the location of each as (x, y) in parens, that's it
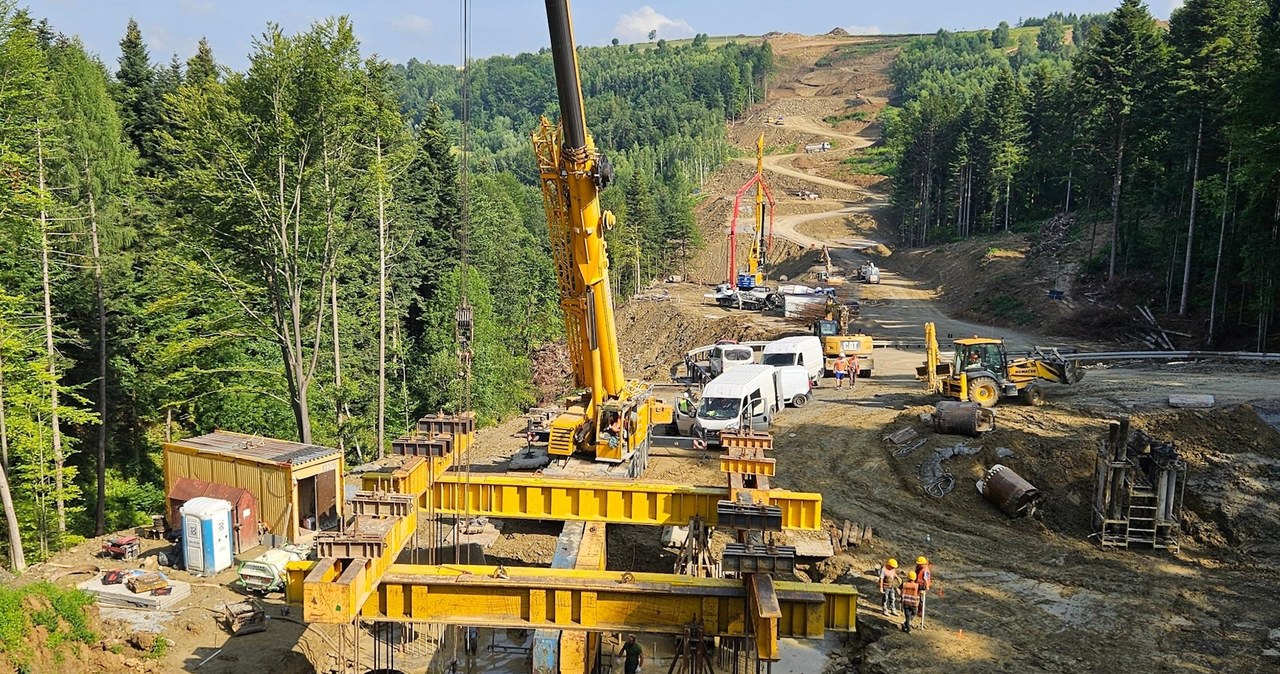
(159, 649)
(62, 613)
(856, 116)
(1009, 308)
(1000, 36)
(877, 160)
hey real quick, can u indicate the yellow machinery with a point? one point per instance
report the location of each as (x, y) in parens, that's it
(612, 417)
(981, 371)
(833, 330)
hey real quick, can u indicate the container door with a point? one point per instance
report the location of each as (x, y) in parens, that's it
(221, 543)
(192, 550)
(246, 523)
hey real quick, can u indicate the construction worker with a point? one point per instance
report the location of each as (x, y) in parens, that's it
(924, 576)
(634, 656)
(855, 366)
(841, 369)
(887, 582)
(910, 600)
(613, 431)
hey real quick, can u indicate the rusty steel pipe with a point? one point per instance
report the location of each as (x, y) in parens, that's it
(1008, 491)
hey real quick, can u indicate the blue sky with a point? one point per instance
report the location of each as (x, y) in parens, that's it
(428, 29)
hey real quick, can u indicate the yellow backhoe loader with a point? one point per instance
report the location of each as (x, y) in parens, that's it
(981, 371)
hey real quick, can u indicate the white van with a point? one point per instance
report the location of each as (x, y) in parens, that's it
(804, 350)
(748, 392)
(793, 385)
(726, 356)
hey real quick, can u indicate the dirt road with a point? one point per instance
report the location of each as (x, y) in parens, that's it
(1033, 595)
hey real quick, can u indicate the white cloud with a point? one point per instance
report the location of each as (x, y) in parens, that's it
(635, 26)
(412, 24)
(863, 30)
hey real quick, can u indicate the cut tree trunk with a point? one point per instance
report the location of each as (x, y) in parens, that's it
(382, 307)
(51, 354)
(1115, 204)
(1191, 224)
(17, 561)
(100, 514)
(1217, 265)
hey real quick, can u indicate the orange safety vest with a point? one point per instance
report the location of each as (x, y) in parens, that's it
(911, 593)
(924, 576)
(887, 577)
(841, 365)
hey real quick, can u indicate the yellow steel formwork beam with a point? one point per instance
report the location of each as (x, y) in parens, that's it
(606, 601)
(520, 497)
(354, 560)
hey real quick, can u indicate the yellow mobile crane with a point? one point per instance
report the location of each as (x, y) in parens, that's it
(611, 417)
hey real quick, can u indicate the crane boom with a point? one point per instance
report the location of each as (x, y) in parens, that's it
(572, 174)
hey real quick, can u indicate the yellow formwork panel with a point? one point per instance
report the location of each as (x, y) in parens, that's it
(748, 466)
(572, 599)
(336, 589)
(521, 497)
(415, 476)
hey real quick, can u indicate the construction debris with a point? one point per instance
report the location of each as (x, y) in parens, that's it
(1186, 400)
(120, 596)
(246, 617)
(939, 481)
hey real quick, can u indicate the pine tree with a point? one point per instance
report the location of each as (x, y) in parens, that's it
(141, 105)
(201, 67)
(1117, 80)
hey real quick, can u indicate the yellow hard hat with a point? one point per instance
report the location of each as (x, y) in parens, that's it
(911, 576)
(893, 563)
(922, 560)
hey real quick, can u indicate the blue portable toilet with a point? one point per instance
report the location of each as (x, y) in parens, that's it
(206, 535)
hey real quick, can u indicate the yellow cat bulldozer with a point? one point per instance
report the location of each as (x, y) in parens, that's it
(981, 371)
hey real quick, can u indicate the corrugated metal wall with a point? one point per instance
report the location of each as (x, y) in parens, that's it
(271, 485)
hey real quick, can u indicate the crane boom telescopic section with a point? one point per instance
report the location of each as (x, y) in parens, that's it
(613, 416)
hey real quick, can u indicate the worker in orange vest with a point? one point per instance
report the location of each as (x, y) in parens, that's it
(910, 600)
(887, 582)
(924, 576)
(841, 369)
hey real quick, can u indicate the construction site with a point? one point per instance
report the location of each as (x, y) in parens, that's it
(1083, 507)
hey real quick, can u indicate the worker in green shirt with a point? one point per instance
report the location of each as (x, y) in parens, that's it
(635, 657)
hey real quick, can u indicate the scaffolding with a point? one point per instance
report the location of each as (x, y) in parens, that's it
(1139, 489)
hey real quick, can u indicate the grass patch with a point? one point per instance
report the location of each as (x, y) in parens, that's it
(849, 52)
(1010, 308)
(60, 611)
(873, 161)
(158, 650)
(855, 116)
(780, 149)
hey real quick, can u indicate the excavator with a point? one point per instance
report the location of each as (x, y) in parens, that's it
(982, 372)
(610, 416)
(833, 330)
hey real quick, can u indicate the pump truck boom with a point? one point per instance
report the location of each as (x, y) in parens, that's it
(610, 417)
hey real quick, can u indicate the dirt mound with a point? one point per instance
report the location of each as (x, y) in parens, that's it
(1232, 455)
(71, 641)
(838, 32)
(552, 373)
